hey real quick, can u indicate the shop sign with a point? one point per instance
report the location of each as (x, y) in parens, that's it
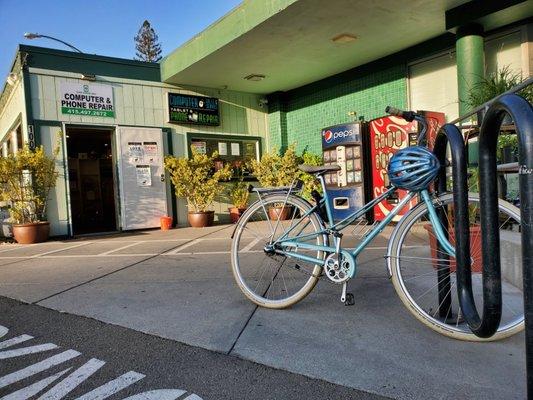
(198, 110)
(87, 100)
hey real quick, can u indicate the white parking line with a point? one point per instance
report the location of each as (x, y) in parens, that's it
(250, 245)
(15, 247)
(58, 250)
(105, 253)
(184, 246)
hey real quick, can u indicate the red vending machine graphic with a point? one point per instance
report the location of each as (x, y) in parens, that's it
(386, 136)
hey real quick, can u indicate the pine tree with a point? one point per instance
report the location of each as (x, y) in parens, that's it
(146, 44)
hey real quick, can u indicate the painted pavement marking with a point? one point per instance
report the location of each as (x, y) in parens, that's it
(179, 248)
(38, 367)
(114, 386)
(29, 391)
(73, 380)
(27, 350)
(250, 246)
(105, 253)
(58, 250)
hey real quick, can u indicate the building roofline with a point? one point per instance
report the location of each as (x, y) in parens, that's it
(85, 56)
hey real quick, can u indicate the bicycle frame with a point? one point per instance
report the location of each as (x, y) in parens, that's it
(333, 228)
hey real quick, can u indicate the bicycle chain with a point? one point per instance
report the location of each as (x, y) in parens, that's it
(322, 276)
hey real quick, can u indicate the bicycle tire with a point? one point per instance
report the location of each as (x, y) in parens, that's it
(422, 312)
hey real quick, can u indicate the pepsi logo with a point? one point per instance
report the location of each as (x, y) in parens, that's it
(330, 136)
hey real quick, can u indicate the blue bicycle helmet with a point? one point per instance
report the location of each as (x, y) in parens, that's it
(413, 168)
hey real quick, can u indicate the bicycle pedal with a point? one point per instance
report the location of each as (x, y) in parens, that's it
(349, 300)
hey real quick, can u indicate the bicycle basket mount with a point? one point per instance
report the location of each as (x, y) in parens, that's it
(413, 168)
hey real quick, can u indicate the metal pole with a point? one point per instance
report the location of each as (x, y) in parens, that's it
(451, 134)
(36, 35)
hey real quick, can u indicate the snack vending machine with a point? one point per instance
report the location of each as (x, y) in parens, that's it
(386, 136)
(341, 144)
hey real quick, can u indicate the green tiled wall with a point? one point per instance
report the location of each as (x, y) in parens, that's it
(305, 111)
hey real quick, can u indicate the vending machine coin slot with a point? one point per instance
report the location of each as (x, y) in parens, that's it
(341, 203)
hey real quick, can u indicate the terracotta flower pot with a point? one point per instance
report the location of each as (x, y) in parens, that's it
(201, 219)
(235, 213)
(35, 232)
(281, 213)
(475, 247)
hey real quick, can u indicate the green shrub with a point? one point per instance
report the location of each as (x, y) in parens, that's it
(193, 179)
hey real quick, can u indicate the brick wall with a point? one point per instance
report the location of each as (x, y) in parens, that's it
(298, 116)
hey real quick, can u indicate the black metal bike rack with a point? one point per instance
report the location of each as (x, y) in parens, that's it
(522, 114)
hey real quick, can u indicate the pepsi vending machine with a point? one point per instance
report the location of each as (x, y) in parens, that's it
(341, 145)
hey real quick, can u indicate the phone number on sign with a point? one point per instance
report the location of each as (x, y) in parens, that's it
(89, 113)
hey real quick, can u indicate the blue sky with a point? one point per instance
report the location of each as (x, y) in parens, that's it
(104, 27)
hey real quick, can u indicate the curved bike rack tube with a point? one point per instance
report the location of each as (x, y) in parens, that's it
(450, 134)
(492, 298)
(522, 115)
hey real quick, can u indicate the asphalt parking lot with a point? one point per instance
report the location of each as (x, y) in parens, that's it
(178, 285)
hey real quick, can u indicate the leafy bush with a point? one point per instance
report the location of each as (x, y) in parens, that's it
(310, 182)
(495, 84)
(239, 194)
(194, 179)
(26, 180)
(274, 169)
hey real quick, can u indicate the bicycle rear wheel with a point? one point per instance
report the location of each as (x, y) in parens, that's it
(273, 280)
(415, 263)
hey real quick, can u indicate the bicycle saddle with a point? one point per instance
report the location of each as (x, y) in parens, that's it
(318, 169)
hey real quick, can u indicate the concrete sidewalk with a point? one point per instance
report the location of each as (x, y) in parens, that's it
(178, 285)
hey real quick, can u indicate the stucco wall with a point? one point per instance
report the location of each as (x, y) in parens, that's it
(13, 109)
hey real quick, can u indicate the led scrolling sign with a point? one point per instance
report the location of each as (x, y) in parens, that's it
(188, 109)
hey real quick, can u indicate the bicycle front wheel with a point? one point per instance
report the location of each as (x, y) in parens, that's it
(425, 277)
(269, 279)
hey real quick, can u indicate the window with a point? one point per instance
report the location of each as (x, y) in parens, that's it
(433, 85)
(236, 150)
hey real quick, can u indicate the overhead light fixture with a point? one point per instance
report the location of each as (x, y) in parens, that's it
(344, 38)
(88, 77)
(255, 77)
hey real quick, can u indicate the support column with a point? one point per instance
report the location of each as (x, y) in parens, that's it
(470, 62)
(277, 120)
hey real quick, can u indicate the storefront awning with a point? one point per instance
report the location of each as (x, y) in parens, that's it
(295, 42)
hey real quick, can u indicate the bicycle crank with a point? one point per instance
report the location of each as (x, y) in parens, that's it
(338, 268)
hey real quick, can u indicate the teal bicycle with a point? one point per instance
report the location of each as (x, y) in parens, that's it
(278, 257)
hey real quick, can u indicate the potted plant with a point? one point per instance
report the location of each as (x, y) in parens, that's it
(26, 180)
(507, 148)
(275, 170)
(239, 196)
(495, 84)
(196, 180)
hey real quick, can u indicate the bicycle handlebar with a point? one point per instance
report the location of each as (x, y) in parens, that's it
(410, 116)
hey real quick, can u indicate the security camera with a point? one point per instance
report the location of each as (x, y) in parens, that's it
(12, 78)
(263, 102)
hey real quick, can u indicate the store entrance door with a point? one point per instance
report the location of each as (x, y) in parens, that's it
(143, 190)
(91, 180)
